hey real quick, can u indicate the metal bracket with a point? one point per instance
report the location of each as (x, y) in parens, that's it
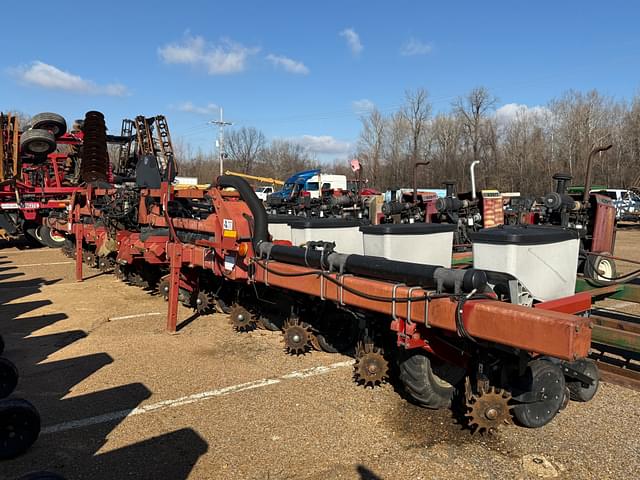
(409, 295)
(322, 286)
(575, 374)
(341, 292)
(427, 302)
(266, 272)
(393, 299)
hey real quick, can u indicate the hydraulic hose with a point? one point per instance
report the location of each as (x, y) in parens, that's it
(260, 220)
(429, 276)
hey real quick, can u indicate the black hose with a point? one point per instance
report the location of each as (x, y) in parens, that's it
(305, 257)
(412, 274)
(260, 220)
(606, 281)
(415, 273)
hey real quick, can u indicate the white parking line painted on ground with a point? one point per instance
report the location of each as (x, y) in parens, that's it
(42, 264)
(137, 315)
(195, 398)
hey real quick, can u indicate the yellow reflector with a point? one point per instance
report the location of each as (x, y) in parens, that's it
(230, 233)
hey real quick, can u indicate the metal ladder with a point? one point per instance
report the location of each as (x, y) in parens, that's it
(125, 148)
(164, 138)
(144, 138)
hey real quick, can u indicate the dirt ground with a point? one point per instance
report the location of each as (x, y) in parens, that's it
(120, 398)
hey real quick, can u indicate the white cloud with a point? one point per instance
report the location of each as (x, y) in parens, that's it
(512, 111)
(353, 40)
(415, 47)
(363, 105)
(323, 144)
(208, 109)
(224, 58)
(43, 75)
(288, 64)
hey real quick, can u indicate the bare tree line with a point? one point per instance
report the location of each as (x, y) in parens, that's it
(519, 149)
(247, 152)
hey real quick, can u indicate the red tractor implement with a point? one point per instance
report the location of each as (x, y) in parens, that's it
(446, 329)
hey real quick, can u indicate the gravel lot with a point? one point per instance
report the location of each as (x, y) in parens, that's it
(120, 398)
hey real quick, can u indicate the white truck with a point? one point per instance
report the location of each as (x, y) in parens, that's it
(263, 192)
(323, 181)
(627, 203)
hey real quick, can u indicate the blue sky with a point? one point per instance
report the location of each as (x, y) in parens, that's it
(305, 70)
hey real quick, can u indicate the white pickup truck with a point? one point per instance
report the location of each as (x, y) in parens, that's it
(263, 192)
(627, 203)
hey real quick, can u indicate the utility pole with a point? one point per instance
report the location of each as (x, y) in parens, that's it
(220, 142)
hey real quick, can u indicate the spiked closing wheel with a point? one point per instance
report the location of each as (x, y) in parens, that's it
(137, 280)
(371, 368)
(297, 336)
(163, 289)
(89, 258)
(69, 249)
(489, 409)
(204, 302)
(120, 272)
(105, 264)
(241, 318)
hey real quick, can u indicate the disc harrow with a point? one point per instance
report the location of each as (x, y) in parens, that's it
(95, 157)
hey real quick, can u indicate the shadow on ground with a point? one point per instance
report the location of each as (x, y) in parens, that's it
(67, 444)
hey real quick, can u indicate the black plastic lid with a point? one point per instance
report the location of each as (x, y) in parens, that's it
(407, 228)
(524, 235)
(285, 219)
(326, 223)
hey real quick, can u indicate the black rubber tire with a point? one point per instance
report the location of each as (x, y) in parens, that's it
(42, 476)
(38, 142)
(50, 238)
(267, 324)
(51, 122)
(325, 345)
(529, 414)
(577, 391)
(423, 385)
(222, 305)
(592, 269)
(19, 427)
(1, 344)
(8, 377)
(31, 236)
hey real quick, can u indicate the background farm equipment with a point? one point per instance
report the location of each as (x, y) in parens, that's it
(146, 152)
(42, 166)
(593, 217)
(470, 212)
